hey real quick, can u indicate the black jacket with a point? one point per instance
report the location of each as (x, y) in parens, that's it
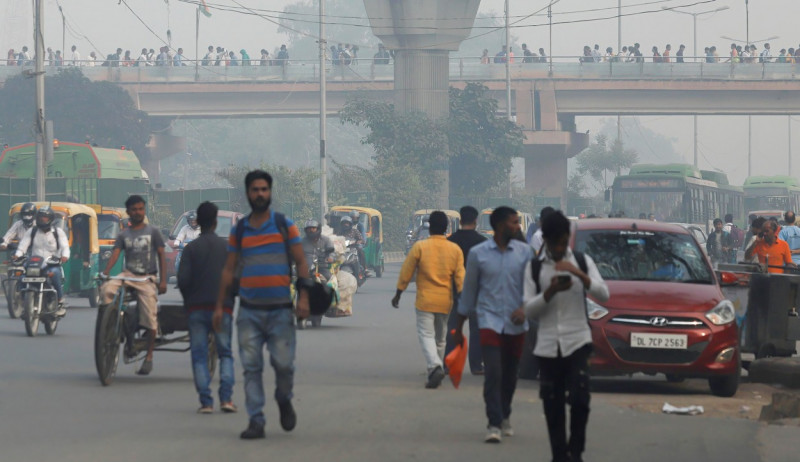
(466, 239)
(200, 270)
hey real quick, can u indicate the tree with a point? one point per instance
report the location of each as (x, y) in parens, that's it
(602, 158)
(80, 109)
(346, 23)
(481, 144)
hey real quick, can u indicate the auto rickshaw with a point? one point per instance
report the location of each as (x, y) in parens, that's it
(110, 222)
(371, 222)
(79, 222)
(421, 216)
(485, 227)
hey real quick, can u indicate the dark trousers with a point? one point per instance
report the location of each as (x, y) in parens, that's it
(501, 354)
(559, 376)
(474, 344)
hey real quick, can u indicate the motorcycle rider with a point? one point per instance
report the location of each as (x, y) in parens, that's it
(18, 229)
(46, 241)
(315, 245)
(352, 234)
(190, 231)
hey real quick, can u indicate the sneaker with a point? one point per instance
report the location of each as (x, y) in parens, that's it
(206, 410)
(288, 417)
(435, 378)
(494, 435)
(506, 427)
(61, 311)
(228, 408)
(254, 431)
(147, 367)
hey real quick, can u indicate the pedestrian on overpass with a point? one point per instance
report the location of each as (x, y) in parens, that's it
(556, 285)
(198, 280)
(493, 287)
(439, 265)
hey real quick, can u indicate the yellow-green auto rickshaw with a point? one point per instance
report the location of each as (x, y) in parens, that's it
(485, 227)
(417, 232)
(79, 222)
(370, 223)
(110, 222)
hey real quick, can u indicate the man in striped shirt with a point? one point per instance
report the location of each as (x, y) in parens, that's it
(262, 247)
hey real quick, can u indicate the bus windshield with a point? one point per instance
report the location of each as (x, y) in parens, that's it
(665, 205)
(766, 203)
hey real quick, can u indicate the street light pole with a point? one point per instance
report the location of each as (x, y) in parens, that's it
(39, 124)
(747, 19)
(323, 162)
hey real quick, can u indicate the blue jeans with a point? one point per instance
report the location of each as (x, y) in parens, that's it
(56, 280)
(200, 326)
(275, 328)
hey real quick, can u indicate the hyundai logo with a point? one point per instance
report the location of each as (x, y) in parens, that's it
(658, 321)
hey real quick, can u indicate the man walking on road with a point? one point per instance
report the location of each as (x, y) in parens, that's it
(440, 269)
(556, 285)
(262, 247)
(791, 234)
(467, 237)
(493, 289)
(198, 280)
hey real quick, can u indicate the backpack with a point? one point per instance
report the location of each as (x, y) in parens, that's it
(737, 236)
(536, 268)
(280, 222)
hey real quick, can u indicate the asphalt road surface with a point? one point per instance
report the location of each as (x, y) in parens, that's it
(359, 396)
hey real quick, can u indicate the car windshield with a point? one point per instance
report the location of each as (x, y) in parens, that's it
(107, 227)
(631, 255)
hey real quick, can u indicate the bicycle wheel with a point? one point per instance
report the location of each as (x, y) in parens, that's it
(107, 340)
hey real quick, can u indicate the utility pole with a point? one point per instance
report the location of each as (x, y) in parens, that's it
(197, 44)
(39, 124)
(619, 52)
(789, 120)
(749, 145)
(64, 34)
(323, 163)
(508, 89)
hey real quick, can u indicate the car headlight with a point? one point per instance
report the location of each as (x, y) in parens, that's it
(722, 314)
(594, 311)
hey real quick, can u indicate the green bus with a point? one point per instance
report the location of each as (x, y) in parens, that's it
(771, 193)
(677, 193)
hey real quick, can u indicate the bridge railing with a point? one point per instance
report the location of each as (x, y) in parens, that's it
(364, 70)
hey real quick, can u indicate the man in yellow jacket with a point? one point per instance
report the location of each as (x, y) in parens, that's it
(439, 264)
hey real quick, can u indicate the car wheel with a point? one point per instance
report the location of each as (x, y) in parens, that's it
(726, 385)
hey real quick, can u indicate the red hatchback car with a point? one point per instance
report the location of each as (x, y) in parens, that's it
(666, 313)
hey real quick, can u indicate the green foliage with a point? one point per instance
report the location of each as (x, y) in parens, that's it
(482, 145)
(79, 108)
(292, 190)
(347, 23)
(602, 161)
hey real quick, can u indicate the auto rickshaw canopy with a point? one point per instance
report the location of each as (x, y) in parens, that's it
(68, 210)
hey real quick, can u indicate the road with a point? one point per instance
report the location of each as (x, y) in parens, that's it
(359, 396)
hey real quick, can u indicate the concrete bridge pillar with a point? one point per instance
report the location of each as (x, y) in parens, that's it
(550, 140)
(161, 145)
(422, 33)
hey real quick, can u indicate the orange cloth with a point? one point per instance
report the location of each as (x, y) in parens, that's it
(779, 254)
(455, 361)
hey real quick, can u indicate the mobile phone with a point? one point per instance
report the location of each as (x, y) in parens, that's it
(564, 278)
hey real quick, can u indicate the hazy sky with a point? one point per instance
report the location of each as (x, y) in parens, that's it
(106, 25)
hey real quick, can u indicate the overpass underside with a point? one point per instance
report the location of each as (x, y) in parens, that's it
(544, 108)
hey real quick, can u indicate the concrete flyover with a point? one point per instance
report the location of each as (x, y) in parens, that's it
(546, 97)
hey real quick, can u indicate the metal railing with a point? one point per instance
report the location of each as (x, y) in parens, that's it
(365, 70)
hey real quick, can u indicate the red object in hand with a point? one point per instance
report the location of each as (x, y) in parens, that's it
(455, 361)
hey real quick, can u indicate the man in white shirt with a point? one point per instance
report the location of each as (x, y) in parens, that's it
(46, 240)
(141, 61)
(17, 231)
(190, 231)
(766, 54)
(76, 57)
(556, 296)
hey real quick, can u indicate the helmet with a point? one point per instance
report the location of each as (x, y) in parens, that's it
(311, 224)
(28, 213)
(346, 220)
(192, 217)
(44, 218)
(354, 214)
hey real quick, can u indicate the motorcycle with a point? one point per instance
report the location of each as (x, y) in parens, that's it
(350, 263)
(39, 297)
(313, 270)
(11, 287)
(181, 246)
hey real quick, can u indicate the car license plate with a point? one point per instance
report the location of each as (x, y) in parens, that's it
(663, 341)
(32, 280)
